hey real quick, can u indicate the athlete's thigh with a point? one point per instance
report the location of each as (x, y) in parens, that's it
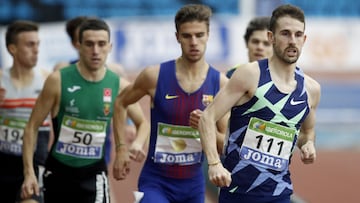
(9, 191)
(95, 188)
(197, 198)
(56, 188)
(153, 189)
(153, 195)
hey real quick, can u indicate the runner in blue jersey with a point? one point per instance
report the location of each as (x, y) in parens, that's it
(172, 171)
(273, 106)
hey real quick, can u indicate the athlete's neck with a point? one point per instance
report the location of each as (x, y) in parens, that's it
(191, 68)
(92, 75)
(21, 76)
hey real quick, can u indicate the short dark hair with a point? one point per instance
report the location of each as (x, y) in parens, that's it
(193, 12)
(93, 24)
(17, 27)
(286, 10)
(73, 24)
(257, 23)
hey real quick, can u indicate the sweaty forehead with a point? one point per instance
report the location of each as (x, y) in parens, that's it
(289, 23)
(27, 36)
(95, 35)
(259, 34)
(193, 27)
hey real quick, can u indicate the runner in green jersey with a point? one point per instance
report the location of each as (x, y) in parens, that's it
(80, 99)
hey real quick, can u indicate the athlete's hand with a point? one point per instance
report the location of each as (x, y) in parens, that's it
(219, 176)
(194, 118)
(30, 187)
(2, 94)
(308, 152)
(137, 152)
(121, 167)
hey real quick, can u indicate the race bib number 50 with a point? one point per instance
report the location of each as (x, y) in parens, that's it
(267, 144)
(81, 138)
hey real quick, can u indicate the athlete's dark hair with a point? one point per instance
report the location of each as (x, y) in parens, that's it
(93, 24)
(193, 12)
(17, 27)
(286, 10)
(73, 24)
(256, 24)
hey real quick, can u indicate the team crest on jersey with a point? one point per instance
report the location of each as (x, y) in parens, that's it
(106, 109)
(107, 95)
(207, 99)
(71, 107)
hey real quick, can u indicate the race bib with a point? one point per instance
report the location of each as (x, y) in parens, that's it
(267, 144)
(81, 138)
(11, 135)
(177, 145)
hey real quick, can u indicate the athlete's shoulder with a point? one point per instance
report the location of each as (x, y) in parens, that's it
(67, 69)
(312, 87)
(61, 65)
(111, 73)
(148, 77)
(151, 70)
(231, 70)
(43, 72)
(311, 81)
(117, 69)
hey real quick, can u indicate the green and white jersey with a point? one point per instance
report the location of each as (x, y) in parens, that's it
(84, 117)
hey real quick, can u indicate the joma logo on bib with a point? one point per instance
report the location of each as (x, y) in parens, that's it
(178, 158)
(79, 151)
(263, 159)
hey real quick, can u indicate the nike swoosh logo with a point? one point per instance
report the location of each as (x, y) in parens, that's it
(234, 189)
(167, 96)
(293, 102)
(73, 88)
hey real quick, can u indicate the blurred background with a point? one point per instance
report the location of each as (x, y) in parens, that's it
(143, 34)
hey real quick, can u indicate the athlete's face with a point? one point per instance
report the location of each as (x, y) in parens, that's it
(288, 39)
(193, 37)
(259, 46)
(26, 48)
(94, 48)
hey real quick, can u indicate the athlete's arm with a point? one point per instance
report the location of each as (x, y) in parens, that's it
(144, 84)
(46, 102)
(241, 86)
(136, 114)
(306, 140)
(222, 123)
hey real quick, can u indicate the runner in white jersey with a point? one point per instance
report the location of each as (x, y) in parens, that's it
(20, 86)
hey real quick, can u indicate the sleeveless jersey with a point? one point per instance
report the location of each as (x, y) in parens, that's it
(231, 71)
(262, 136)
(108, 138)
(85, 113)
(14, 115)
(175, 150)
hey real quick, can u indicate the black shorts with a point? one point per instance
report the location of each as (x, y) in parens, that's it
(60, 188)
(10, 188)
